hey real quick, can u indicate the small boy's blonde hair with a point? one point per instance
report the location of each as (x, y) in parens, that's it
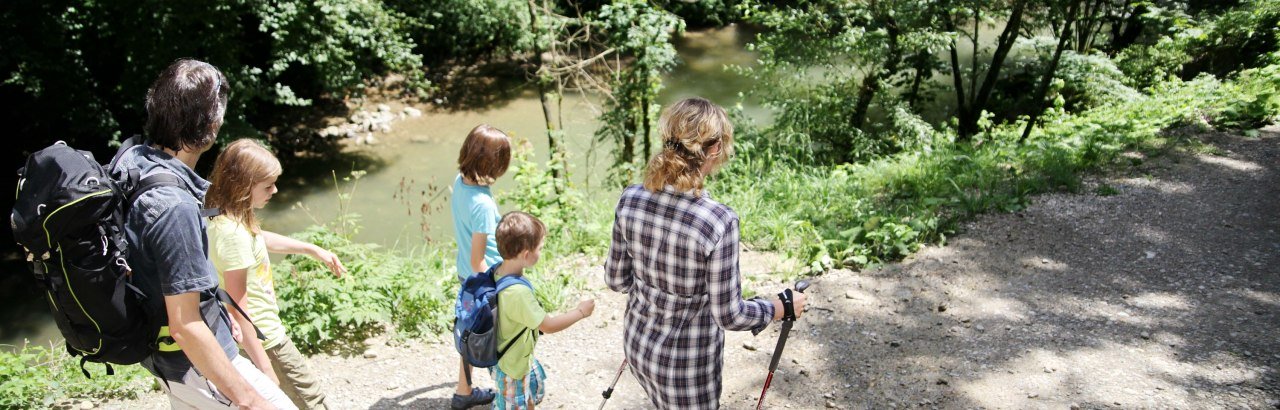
(518, 232)
(689, 128)
(485, 154)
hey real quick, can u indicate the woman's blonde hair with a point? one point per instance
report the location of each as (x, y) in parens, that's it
(242, 165)
(689, 129)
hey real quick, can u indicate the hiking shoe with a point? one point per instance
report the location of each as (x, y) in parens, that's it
(478, 397)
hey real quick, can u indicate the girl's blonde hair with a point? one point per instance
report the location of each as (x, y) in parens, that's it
(689, 129)
(242, 165)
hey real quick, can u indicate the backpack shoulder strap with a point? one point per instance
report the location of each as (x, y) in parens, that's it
(160, 179)
(127, 144)
(503, 283)
(511, 280)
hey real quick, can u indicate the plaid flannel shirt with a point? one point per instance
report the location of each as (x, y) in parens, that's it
(676, 256)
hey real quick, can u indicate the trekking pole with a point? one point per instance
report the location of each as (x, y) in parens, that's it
(609, 392)
(782, 342)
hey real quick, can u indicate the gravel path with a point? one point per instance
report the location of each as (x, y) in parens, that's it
(1164, 294)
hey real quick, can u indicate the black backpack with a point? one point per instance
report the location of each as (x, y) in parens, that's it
(69, 218)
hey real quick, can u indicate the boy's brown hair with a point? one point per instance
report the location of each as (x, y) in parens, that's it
(518, 232)
(485, 154)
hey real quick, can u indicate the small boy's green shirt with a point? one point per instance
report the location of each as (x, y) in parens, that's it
(518, 311)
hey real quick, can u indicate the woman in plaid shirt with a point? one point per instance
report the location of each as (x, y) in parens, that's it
(675, 253)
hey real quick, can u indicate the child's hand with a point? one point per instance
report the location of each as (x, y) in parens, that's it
(587, 306)
(236, 334)
(330, 260)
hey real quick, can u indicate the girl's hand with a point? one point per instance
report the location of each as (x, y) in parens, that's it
(330, 260)
(235, 331)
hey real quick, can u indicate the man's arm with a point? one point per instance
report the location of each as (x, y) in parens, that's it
(187, 327)
(184, 269)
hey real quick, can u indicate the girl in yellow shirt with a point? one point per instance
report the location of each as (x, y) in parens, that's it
(244, 179)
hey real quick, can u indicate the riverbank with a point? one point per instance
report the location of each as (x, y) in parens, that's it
(1157, 292)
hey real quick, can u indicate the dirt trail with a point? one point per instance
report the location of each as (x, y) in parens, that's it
(1165, 294)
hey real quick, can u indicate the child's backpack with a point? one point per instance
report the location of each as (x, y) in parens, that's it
(69, 218)
(475, 331)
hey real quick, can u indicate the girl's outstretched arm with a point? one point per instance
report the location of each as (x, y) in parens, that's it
(277, 243)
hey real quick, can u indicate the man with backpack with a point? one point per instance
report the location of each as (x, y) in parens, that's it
(196, 358)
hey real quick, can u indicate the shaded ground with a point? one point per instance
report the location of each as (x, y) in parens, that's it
(1162, 293)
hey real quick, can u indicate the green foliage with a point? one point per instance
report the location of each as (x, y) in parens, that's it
(1147, 65)
(1218, 42)
(1106, 190)
(39, 377)
(642, 33)
(703, 13)
(89, 63)
(414, 293)
(884, 209)
(1091, 80)
(1256, 99)
(574, 224)
(466, 29)
(823, 63)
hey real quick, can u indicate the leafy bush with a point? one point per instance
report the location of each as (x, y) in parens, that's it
(1218, 42)
(1091, 80)
(574, 224)
(380, 288)
(1147, 65)
(39, 377)
(1257, 99)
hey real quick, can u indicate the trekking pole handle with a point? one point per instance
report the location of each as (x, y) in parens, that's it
(802, 285)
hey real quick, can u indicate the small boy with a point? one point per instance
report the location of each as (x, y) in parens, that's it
(519, 378)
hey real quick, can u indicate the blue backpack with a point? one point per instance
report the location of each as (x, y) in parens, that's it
(475, 329)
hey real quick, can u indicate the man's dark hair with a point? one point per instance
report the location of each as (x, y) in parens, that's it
(186, 104)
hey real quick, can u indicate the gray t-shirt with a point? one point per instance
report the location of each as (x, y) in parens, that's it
(168, 251)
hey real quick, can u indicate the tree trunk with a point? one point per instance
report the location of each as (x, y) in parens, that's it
(644, 122)
(962, 110)
(871, 84)
(1003, 45)
(1127, 33)
(544, 91)
(1037, 104)
(919, 64)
